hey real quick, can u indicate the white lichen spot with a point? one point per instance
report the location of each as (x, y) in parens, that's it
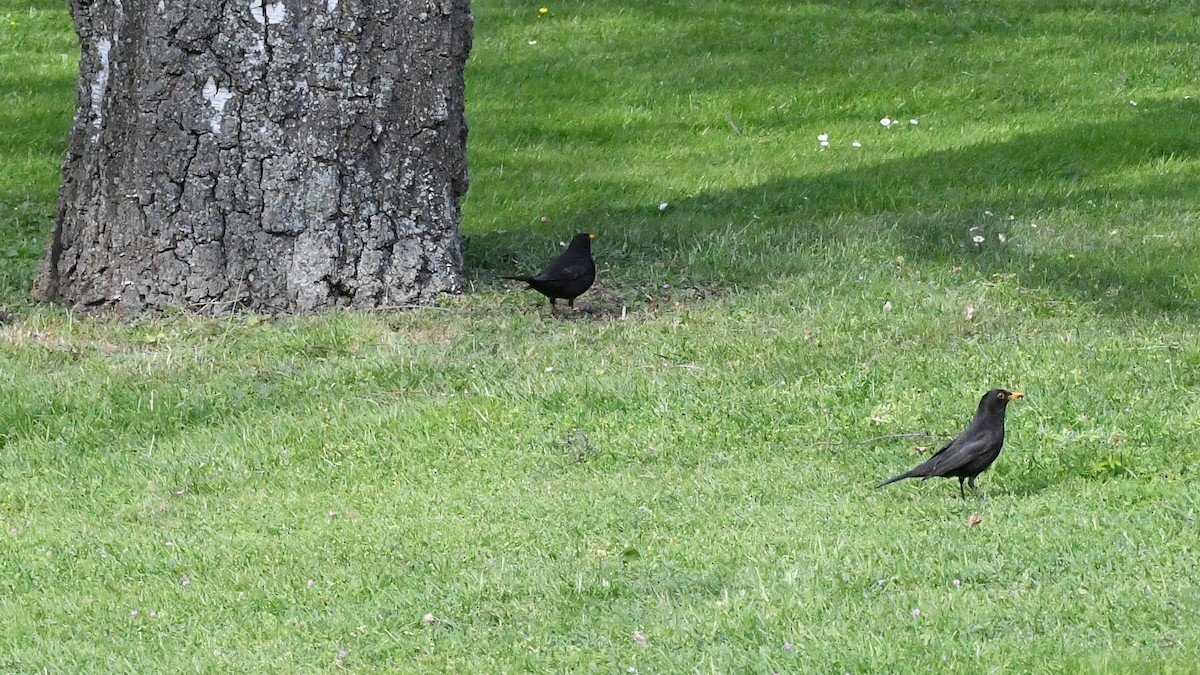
(331, 6)
(100, 81)
(162, 6)
(272, 13)
(216, 96)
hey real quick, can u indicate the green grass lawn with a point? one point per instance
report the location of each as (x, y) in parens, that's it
(678, 478)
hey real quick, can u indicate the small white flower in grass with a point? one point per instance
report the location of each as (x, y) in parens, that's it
(968, 315)
(978, 239)
(913, 122)
(822, 137)
(1133, 103)
(824, 144)
(168, 543)
(957, 582)
(887, 121)
(549, 369)
(916, 612)
(532, 43)
(856, 144)
(185, 582)
(662, 206)
(133, 612)
(987, 213)
(310, 583)
(1002, 238)
(887, 306)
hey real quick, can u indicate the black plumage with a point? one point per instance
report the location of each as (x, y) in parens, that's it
(568, 275)
(974, 450)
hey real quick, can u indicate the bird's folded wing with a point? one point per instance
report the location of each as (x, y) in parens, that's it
(956, 455)
(566, 273)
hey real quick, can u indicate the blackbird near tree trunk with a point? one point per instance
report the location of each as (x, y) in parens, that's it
(568, 275)
(974, 450)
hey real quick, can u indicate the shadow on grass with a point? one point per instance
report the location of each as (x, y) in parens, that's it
(911, 206)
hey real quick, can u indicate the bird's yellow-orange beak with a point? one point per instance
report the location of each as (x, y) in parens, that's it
(1015, 395)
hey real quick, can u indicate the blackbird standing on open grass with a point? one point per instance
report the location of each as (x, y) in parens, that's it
(568, 275)
(975, 448)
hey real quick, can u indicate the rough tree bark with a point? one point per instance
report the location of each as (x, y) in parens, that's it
(291, 156)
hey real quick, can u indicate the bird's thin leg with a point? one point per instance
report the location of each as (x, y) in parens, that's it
(971, 484)
(960, 488)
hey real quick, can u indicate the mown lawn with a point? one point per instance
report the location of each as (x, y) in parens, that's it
(679, 477)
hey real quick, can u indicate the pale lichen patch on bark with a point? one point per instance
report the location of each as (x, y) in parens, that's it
(100, 85)
(275, 12)
(216, 96)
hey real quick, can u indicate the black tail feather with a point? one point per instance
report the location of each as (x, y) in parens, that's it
(893, 479)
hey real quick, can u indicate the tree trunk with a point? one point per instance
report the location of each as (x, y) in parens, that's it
(292, 156)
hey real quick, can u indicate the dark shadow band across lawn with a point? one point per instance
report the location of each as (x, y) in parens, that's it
(908, 206)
